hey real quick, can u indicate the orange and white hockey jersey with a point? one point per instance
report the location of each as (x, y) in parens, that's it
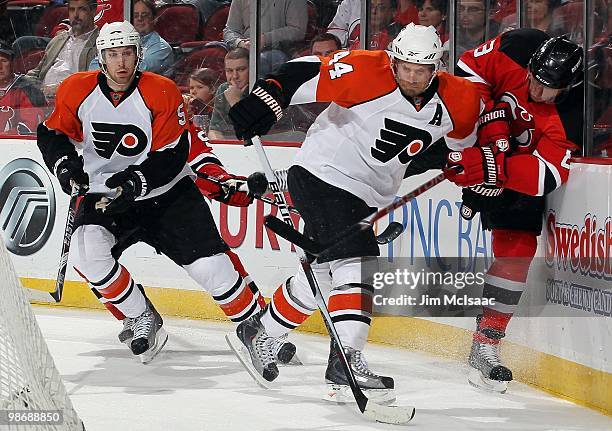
(364, 141)
(117, 130)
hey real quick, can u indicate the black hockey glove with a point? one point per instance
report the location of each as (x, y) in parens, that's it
(478, 198)
(258, 112)
(131, 184)
(69, 170)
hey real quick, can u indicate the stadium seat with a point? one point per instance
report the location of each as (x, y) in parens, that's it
(211, 55)
(50, 18)
(28, 61)
(177, 23)
(212, 29)
(311, 27)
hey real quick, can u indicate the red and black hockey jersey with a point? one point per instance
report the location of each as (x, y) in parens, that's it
(21, 104)
(499, 68)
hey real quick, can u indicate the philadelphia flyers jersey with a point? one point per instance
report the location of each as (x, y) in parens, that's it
(364, 141)
(499, 68)
(117, 130)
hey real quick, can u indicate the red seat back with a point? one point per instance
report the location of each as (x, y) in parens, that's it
(50, 18)
(212, 29)
(177, 23)
(210, 56)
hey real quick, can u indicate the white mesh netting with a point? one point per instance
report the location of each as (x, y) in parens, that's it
(28, 377)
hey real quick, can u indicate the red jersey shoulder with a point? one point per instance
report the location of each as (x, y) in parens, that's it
(462, 100)
(353, 77)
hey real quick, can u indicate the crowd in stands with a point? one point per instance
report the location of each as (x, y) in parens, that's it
(203, 45)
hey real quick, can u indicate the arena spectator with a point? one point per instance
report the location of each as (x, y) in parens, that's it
(472, 19)
(203, 84)
(540, 15)
(21, 100)
(406, 12)
(433, 12)
(324, 44)
(69, 51)
(283, 23)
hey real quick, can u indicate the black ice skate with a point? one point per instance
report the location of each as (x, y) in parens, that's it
(258, 357)
(149, 335)
(486, 369)
(127, 333)
(379, 389)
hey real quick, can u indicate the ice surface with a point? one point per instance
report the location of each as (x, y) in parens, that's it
(197, 384)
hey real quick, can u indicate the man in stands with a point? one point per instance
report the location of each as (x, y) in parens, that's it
(69, 51)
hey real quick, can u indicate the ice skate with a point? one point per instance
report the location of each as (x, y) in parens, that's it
(127, 333)
(379, 389)
(284, 351)
(149, 335)
(258, 357)
(486, 370)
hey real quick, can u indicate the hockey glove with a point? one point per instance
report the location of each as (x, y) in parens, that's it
(494, 127)
(255, 114)
(70, 170)
(230, 192)
(476, 199)
(130, 184)
(476, 165)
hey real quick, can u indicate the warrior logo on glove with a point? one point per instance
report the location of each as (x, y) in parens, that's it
(128, 140)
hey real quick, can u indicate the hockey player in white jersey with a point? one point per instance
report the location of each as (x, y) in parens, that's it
(131, 130)
(388, 111)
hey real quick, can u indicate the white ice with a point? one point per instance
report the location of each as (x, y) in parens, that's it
(196, 383)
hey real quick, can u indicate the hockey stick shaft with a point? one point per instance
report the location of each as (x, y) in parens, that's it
(295, 237)
(61, 272)
(361, 399)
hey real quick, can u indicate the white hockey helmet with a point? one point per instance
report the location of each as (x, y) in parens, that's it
(115, 35)
(418, 44)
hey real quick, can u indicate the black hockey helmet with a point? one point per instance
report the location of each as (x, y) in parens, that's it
(556, 63)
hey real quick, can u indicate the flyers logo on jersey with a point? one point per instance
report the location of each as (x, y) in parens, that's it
(400, 139)
(128, 140)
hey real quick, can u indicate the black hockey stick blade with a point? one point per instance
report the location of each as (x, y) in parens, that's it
(390, 233)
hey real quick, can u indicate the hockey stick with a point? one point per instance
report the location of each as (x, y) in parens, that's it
(389, 234)
(315, 248)
(385, 414)
(63, 263)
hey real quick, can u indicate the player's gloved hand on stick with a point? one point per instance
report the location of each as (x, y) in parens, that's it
(130, 184)
(258, 112)
(476, 165)
(476, 199)
(231, 191)
(494, 126)
(70, 170)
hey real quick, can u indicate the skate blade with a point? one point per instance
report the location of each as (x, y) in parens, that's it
(341, 394)
(245, 359)
(295, 361)
(161, 338)
(478, 380)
